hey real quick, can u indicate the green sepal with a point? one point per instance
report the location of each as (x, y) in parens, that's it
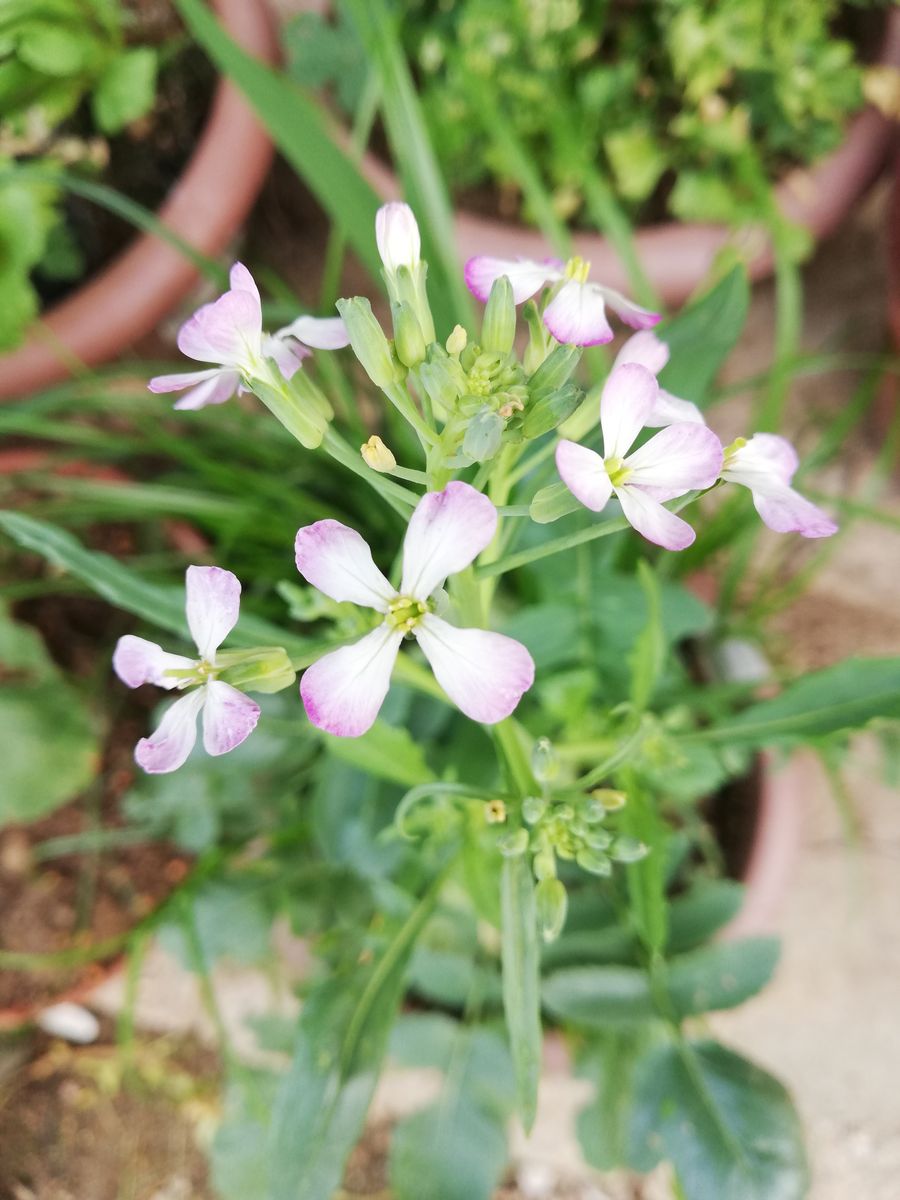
(551, 410)
(498, 329)
(265, 669)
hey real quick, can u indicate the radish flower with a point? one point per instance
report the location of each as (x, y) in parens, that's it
(647, 350)
(229, 333)
(676, 460)
(213, 602)
(483, 673)
(397, 237)
(766, 464)
(577, 313)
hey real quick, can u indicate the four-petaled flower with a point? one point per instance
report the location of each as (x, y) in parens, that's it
(676, 460)
(229, 333)
(766, 464)
(577, 313)
(213, 602)
(483, 673)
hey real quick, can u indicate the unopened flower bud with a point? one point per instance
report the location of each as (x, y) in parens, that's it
(369, 344)
(544, 762)
(377, 455)
(533, 808)
(552, 904)
(457, 340)
(498, 330)
(266, 669)
(627, 850)
(609, 798)
(495, 812)
(408, 340)
(397, 236)
(511, 845)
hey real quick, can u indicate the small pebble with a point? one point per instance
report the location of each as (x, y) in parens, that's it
(70, 1022)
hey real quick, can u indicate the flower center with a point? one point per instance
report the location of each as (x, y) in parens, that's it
(405, 613)
(730, 451)
(578, 269)
(616, 470)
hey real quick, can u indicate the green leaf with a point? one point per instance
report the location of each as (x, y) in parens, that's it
(521, 980)
(610, 1060)
(722, 975)
(728, 1128)
(159, 606)
(300, 131)
(701, 912)
(702, 336)
(51, 749)
(646, 879)
(322, 1102)
(839, 698)
(385, 752)
(126, 89)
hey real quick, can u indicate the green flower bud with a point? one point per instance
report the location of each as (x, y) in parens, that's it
(498, 330)
(369, 344)
(533, 808)
(545, 864)
(303, 411)
(544, 763)
(628, 850)
(266, 669)
(551, 410)
(442, 378)
(554, 371)
(552, 904)
(483, 435)
(511, 845)
(593, 861)
(408, 340)
(457, 340)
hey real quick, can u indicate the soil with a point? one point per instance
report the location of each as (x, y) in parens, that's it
(148, 156)
(103, 1123)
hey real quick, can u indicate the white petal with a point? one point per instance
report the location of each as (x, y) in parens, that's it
(766, 458)
(220, 387)
(448, 530)
(137, 661)
(240, 280)
(337, 560)
(484, 674)
(786, 511)
(676, 460)
(227, 331)
(629, 312)
(576, 316)
(397, 236)
(654, 522)
(584, 473)
(213, 604)
(322, 333)
(670, 410)
(628, 397)
(525, 275)
(344, 691)
(228, 717)
(645, 349)
(167, 748)
(288, 359)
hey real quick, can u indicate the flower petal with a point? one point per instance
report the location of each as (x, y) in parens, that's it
(671, 410)
(448, 530)
(216, 390)
(240, 280)
(228, 331)
(322, 333)
(484, 674)
(181, 380)
(676, 460)
(137, 661)
(213, 604)
(288, 359)
(337, 560)
(655, 523)
(397, 236)
(167, 748)
(525, 275)
(584, 473)
(629, 312)
(645, 349)
(766, 457)
(786, 511)
(344, 691)
(228, 717)
(628, 397)
(576, 315)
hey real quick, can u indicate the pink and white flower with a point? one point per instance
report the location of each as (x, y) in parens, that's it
(485, 674)
(229, 333)
(397, 237)
(676, 460)
(213, 603)
(766, 464)
(576, 315)
(650, 351)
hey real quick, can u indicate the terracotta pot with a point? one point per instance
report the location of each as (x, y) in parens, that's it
(206, 208)
(676, 257)
(884, 407)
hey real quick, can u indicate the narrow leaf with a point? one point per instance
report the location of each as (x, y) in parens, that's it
(521, 980)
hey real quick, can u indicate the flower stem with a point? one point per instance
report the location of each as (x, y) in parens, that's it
(398, 497)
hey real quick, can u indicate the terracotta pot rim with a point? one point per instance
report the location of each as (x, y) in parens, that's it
(677, 256)
(205, 207)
